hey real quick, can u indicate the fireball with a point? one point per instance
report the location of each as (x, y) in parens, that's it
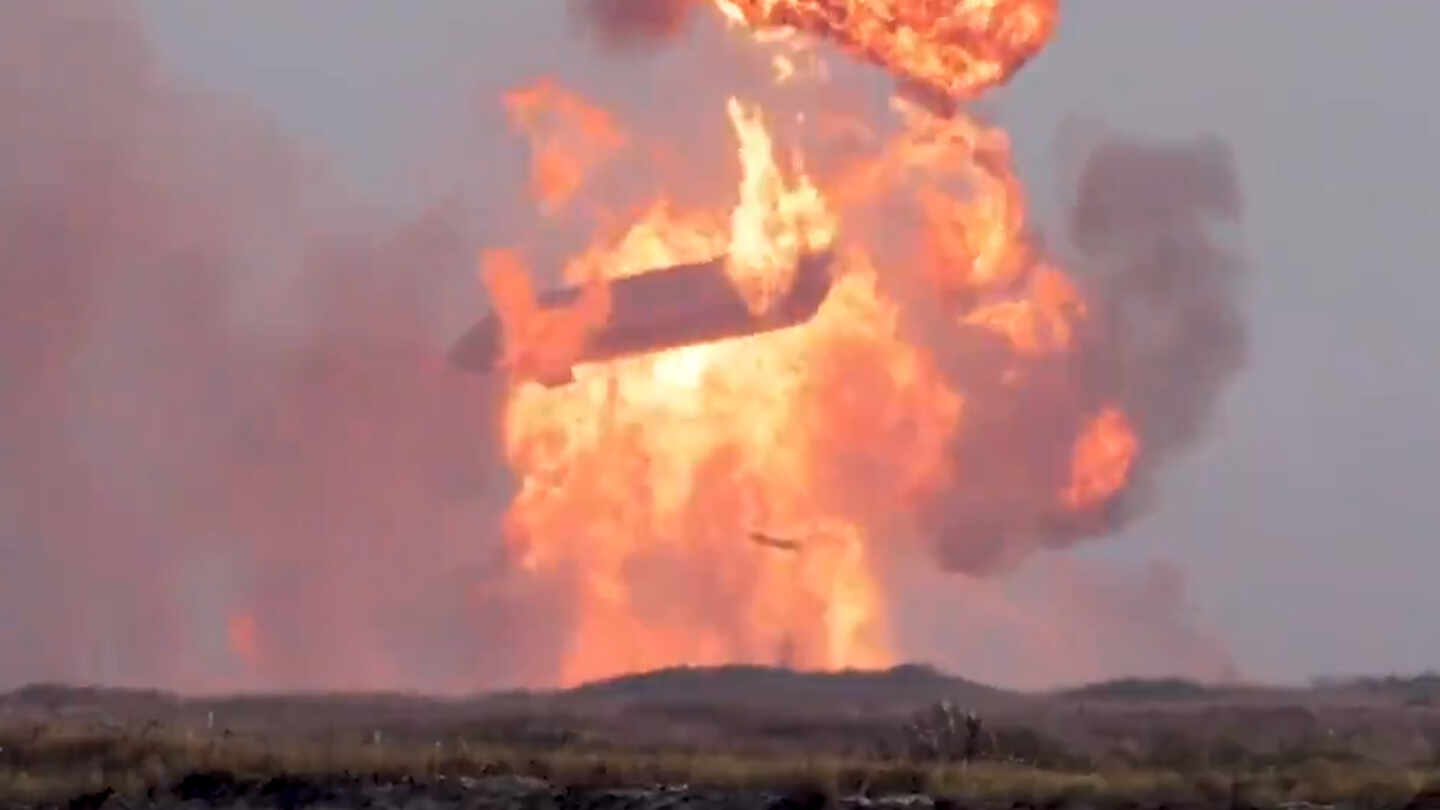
(735, 500)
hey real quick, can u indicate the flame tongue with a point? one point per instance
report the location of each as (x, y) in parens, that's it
(958, 48)
(773, 224)
(1101, 463)
(571, 138)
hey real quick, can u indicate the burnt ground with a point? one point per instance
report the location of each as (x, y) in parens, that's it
(219, 789)
(222, 789)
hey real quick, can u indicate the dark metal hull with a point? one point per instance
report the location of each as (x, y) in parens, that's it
(662, 309)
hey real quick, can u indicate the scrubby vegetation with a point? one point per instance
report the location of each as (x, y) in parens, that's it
(1144, 689)
(746, 730)
(51, 764)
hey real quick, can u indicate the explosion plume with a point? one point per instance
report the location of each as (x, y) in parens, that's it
(957, 388)
(234, 453)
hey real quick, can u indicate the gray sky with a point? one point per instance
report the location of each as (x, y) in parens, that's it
(1306, 521)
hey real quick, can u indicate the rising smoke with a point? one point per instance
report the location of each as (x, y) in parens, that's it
(1149, 221)
(1063, 621)
(1149, 229)
(224, 410)
(624, 24)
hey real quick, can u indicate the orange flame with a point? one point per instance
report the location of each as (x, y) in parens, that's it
(646, 465)
(773, 225)
(730, 501)
(243, 638)
(961, 47)
(570, 139)
(1103, 456)
(540, 343)
(1041, 321)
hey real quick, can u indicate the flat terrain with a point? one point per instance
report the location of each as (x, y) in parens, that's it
(741, 737)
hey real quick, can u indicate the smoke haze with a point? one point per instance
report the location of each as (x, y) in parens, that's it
(1148, 223)
(233, 455)
(225, 401)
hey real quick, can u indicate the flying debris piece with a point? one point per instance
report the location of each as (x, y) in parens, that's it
(662, 309)
(927, 96)
(760, 538)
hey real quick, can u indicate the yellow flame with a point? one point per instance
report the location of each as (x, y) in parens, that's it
(775, 223)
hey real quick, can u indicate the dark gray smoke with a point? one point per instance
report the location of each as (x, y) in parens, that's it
(1146, 221)
(1150, 227)
(630, 23)
(219, 404)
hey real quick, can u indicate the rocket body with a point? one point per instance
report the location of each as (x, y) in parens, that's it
(662, 309)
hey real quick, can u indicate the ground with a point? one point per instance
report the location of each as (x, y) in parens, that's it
(733, 737)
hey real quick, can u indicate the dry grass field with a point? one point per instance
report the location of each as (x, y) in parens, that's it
(732, 737)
